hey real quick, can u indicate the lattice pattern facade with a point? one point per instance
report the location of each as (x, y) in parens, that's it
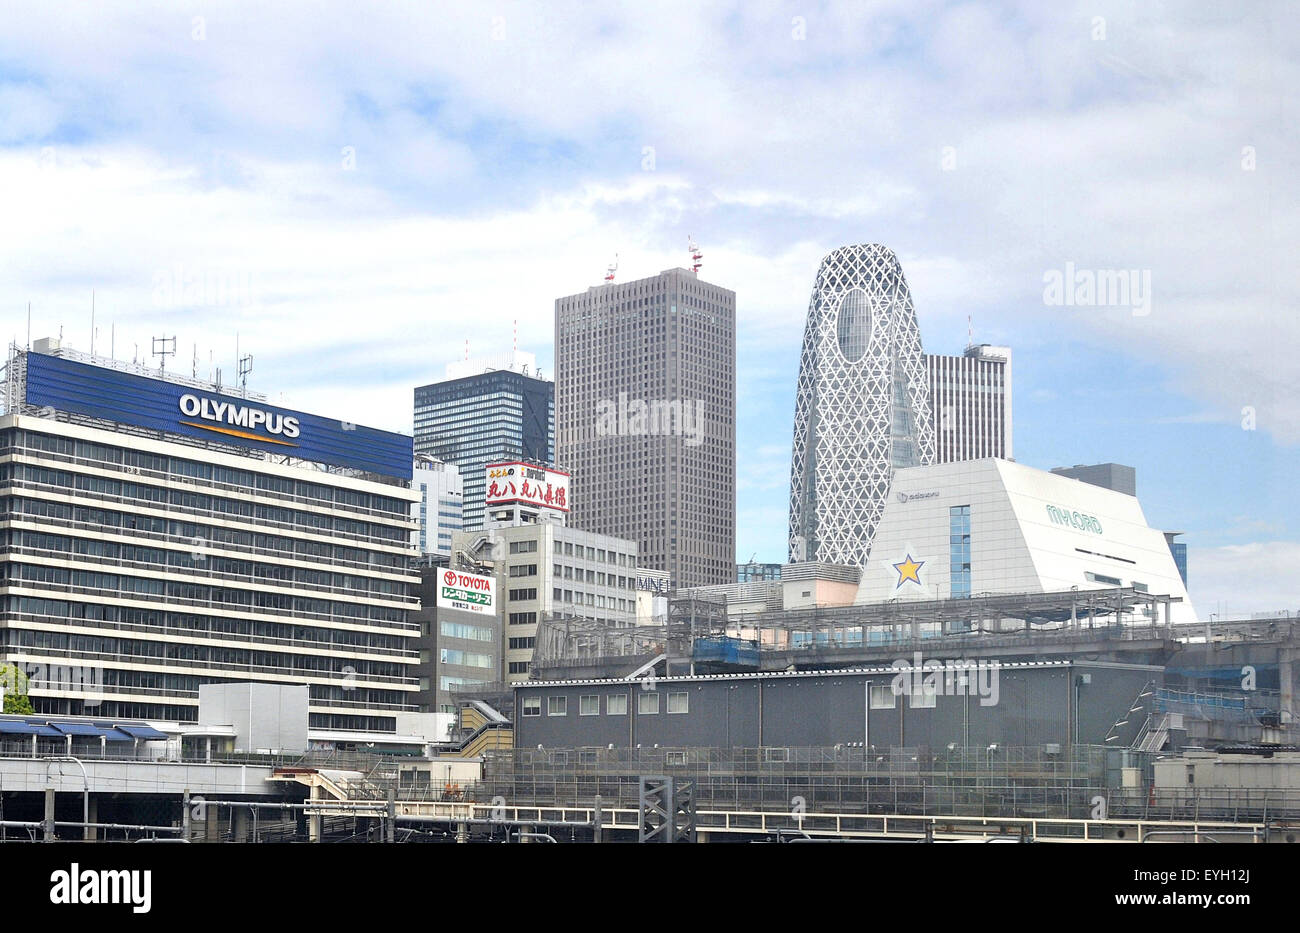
(862, 404)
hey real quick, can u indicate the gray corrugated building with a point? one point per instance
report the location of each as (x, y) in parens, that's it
(1035, 703)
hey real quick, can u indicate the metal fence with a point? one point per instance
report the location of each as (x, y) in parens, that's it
(1011, 781)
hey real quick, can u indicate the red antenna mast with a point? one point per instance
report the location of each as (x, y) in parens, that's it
(611, 269)
(696, 255)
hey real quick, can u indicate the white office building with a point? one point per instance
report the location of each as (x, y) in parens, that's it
(970, 397)
(160, 534)
(958, 530)
(439, 513)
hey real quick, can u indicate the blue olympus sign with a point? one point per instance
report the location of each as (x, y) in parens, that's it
(80, 388)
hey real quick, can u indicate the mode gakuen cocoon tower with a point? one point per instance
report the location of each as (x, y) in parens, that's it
(862, 404)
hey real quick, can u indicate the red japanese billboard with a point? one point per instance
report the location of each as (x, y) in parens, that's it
(527, 483)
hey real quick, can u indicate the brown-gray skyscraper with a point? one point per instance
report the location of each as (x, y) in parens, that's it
(645, 419)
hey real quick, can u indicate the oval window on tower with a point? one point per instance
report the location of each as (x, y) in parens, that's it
(854, 325)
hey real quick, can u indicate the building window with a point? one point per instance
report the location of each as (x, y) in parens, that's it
(557, 706)
(882, 696)
(530, 593)
(921, 698)
(616, 704)
(1102, 578)
(589, 705)
(532, 706)
(679, 702)
(959, 552)
(518, 667)
(517, 644)
(647, 703)
(675, 758)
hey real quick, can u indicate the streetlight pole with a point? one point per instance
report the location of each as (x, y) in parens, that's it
(85, 783)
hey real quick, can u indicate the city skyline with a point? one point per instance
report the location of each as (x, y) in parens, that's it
(1153, 147)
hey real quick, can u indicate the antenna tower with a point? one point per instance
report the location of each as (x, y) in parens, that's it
(164, 347)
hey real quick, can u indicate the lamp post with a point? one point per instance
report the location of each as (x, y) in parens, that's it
(85, 782)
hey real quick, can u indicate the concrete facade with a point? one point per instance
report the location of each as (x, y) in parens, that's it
(268, 718)
(546, 568)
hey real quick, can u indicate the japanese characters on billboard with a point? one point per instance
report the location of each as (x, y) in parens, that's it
(527, 483)
(469, 592)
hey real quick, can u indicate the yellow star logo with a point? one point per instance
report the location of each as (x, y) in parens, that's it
(909, 570)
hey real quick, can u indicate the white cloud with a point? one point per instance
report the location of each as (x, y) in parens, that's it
(1237, 580)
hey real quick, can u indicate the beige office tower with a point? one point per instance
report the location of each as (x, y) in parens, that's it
(970, 396)
(645, 404)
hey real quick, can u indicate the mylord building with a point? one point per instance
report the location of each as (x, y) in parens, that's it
(645, 396)
(164, 533)
(961, 530)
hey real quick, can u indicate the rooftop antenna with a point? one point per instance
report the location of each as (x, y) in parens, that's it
(92, 322)
(696, 255)
(970, 332)
(516, 323)
(194, 363)
(29, 325)
(611, 269)
(245, 367)
(164, 347)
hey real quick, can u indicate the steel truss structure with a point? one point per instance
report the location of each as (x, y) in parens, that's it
(862, 404)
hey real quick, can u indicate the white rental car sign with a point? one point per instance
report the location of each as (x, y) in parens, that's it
(469, 592)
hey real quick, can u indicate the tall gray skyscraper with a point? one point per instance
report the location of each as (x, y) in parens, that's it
(645, 401)
(970, 398)
(862, 404)
(491, 409)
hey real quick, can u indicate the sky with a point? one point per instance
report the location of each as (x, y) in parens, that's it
(356, 193)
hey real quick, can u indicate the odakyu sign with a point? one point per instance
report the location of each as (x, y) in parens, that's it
(126, 398)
